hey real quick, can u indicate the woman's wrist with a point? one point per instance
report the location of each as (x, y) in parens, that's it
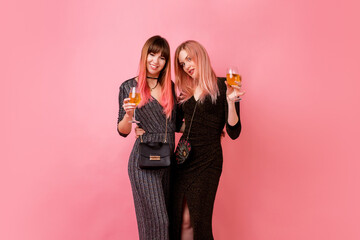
(127, 117)
(233, 99)
(231, 102)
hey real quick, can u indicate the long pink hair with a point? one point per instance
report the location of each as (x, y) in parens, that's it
(207, 79)
(155, 45)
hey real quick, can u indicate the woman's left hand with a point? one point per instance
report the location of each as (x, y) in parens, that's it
(138, 132)
(233, 92)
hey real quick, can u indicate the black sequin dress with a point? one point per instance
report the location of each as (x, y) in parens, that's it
(197, 179)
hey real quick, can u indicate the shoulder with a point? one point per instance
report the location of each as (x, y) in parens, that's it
(221, 83)
(128, 83)
(221, 80)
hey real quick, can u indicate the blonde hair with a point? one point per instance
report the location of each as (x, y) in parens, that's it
(207, 80)
(155, 45)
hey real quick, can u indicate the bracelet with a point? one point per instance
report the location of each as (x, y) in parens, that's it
(235, 100)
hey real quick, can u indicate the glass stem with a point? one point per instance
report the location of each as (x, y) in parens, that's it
(134, 114)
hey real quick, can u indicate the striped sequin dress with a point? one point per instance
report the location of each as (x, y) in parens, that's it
(150, 188)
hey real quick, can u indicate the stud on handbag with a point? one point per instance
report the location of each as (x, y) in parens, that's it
(154, 155)
(183, 148)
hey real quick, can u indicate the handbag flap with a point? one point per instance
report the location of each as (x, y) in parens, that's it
(154, 149)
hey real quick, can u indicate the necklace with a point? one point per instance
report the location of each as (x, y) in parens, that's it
(152, 88)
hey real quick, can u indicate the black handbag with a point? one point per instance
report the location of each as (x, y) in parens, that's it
(154, 155)
(183, 148)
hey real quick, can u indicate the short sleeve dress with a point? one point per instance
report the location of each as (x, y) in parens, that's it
(197, 179)
(150, 188)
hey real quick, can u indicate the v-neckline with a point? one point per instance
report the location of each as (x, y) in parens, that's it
(155, 99)
(194, 98)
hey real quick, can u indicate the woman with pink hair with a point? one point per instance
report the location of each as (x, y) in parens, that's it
(207, 104)
(156, 114)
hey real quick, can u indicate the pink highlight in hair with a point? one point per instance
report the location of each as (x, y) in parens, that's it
(156, 44)
(207, 79)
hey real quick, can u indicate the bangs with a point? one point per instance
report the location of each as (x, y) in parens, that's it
(192, 51)
(159, 45)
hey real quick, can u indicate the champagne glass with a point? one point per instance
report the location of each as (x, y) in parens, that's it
(134, 98)
(232, 75)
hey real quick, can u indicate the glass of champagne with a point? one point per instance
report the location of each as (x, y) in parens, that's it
(134, 98)
(232, 75)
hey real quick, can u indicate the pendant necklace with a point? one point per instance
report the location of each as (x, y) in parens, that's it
(152, 88)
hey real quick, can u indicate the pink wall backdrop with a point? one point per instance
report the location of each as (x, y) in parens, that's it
(292, 175)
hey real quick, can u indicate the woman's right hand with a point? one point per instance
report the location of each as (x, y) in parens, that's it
(138, 132)
(129, 107)
(234, 92)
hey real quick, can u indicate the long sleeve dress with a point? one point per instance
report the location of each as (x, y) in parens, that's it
(150, 188)
(197, 179)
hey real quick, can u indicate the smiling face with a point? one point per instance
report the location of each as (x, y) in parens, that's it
(188, 65)
(154, 64)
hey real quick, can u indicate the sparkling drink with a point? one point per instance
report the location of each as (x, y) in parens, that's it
(232, 77)
(135, 98)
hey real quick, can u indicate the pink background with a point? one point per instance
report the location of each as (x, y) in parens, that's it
(292, 174)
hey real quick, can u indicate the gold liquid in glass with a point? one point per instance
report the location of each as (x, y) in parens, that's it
(231, 78)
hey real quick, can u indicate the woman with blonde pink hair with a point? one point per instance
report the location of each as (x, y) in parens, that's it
(156, 114)
(207, 104)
